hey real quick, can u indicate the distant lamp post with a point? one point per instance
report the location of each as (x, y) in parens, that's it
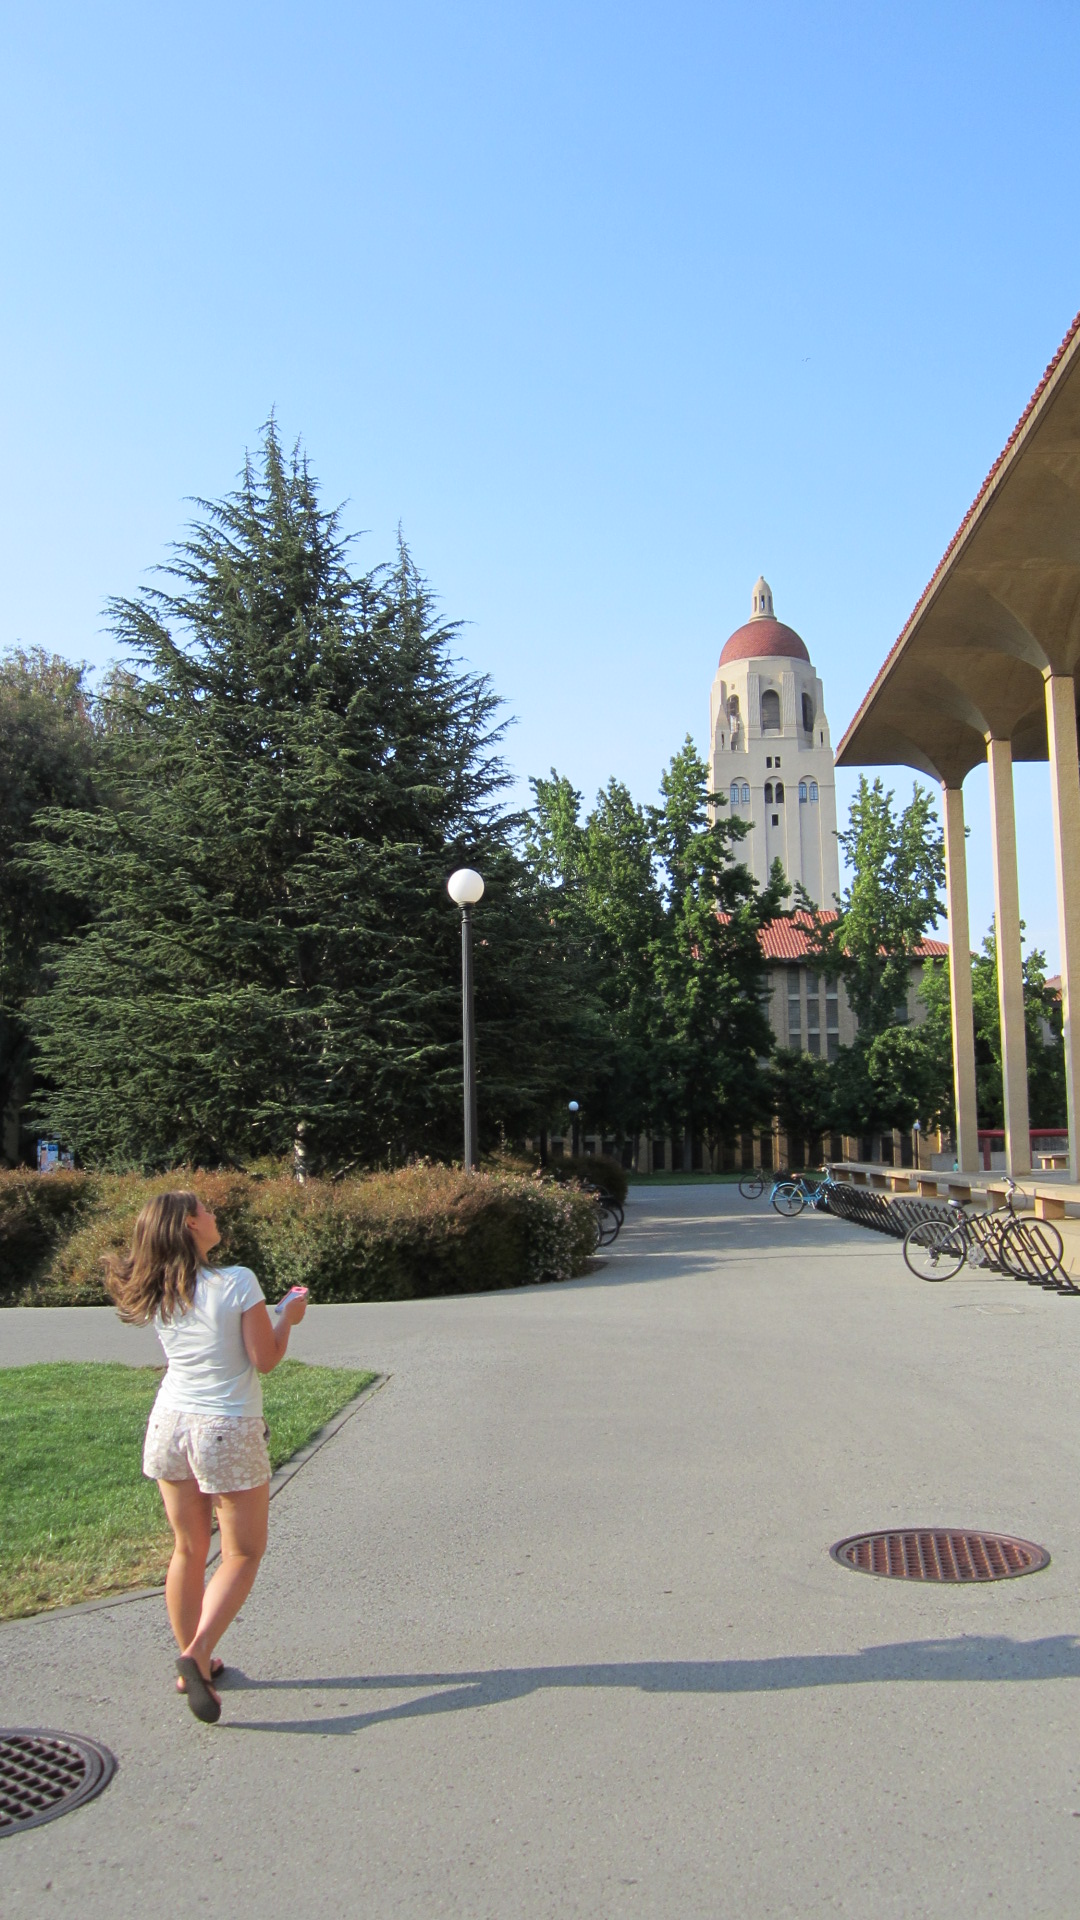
(575, 1112)
(465, 888)
(917, 1131)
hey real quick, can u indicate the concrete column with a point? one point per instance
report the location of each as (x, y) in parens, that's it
(1014, 1086)
(1065, 806)
(963, 1025)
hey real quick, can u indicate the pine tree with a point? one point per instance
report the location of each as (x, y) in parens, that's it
(47, 757)
(294, 766)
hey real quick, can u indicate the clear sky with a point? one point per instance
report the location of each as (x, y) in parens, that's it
(613, 307)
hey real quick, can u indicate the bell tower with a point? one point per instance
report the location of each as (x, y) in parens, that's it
(771, 755)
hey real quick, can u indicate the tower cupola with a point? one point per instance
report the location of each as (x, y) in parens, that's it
(763, 607)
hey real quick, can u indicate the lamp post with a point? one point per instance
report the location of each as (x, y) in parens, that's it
(465, 888)
(575, 1111)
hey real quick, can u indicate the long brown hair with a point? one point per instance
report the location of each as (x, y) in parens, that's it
(158, 1274)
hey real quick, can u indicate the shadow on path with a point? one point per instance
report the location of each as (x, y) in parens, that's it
(972, 1657)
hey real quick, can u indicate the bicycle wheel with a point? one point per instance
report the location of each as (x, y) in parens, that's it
(609, 1227)
(1031, 1250)
(752, 1186)
(934, 1249)
(788, 1199)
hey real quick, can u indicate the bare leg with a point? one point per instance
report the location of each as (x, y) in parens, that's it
(189, 1513)
(242, 1518)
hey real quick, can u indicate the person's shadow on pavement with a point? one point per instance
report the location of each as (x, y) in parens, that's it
(970, 1658)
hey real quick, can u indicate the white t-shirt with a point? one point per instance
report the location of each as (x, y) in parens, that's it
(209, 1370)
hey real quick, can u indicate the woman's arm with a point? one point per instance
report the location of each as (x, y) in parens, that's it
(265, 1340)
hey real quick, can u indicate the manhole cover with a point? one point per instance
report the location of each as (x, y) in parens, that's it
(44, 1774)
(940, 1553)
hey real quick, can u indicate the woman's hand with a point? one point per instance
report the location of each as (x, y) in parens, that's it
(266, 1339)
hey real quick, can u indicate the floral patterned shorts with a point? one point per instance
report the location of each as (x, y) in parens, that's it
(224, 1454)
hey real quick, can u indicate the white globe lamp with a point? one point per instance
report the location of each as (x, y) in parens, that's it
(465, 887)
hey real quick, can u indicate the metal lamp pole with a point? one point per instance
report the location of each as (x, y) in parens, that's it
(575, 1111)
(465, 888)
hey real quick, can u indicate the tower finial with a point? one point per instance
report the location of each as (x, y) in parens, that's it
(763, 607)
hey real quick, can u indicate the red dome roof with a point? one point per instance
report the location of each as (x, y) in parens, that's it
(764, 639)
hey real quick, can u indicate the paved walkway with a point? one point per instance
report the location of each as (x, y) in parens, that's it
(550, 1629)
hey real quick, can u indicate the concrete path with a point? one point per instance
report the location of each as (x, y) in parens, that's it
(550, 1628)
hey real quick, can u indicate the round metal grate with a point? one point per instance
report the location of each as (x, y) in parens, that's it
(44, 1774)
(940, 1553)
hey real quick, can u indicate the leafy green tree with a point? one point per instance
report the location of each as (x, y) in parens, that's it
(603, 895)
(716, 1036)
(47, 756)
(892, 900)
(804, 1094)
(665, 920)
(294, 765)
(1045, 1057)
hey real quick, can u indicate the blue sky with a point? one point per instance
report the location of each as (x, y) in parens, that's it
(611, 306)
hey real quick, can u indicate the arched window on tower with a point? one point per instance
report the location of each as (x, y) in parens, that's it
(813, 789)
(770, 711)
(768, 793)
(734, 793)
(807, 713)
(779, 793)
(802, 789)
(745, 794)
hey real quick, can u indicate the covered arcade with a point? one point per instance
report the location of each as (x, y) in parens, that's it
(985, 670)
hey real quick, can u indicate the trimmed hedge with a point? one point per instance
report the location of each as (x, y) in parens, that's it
(383, 1236)
(598, 1168)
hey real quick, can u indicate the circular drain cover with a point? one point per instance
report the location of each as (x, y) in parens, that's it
(940, 1553)
(45, 1774)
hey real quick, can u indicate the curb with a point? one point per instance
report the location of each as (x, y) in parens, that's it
(278, 1480)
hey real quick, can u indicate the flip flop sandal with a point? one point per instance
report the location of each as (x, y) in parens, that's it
(199, 1697)
(217, 1668)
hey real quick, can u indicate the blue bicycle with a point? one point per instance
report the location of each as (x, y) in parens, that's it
(795, 1191)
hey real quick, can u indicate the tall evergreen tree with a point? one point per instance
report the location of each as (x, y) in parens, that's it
(295, 765)
(47, 755)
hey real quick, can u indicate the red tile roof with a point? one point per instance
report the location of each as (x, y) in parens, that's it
(789, 938)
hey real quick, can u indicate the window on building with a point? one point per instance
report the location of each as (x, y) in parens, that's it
(768, 793)
(770, 711)
(802, 789)
(813, 789)
(775, 819)
(776, 761)
(807, 713)
(734, 793)
(794, 1013)
(733, 704)
(813, 1040)
(812, 983)
(768, 759)
(833, 1040)
(745, 794)
(779, 793)
(821, 739)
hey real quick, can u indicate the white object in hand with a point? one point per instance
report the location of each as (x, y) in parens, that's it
(293, 1293)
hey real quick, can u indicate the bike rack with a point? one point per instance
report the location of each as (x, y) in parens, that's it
(1039, 1262)
(1030, 1246)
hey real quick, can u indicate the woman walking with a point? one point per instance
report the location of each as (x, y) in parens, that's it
(206, 1436)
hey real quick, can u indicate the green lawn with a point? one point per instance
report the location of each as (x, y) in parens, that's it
(77, 1519)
